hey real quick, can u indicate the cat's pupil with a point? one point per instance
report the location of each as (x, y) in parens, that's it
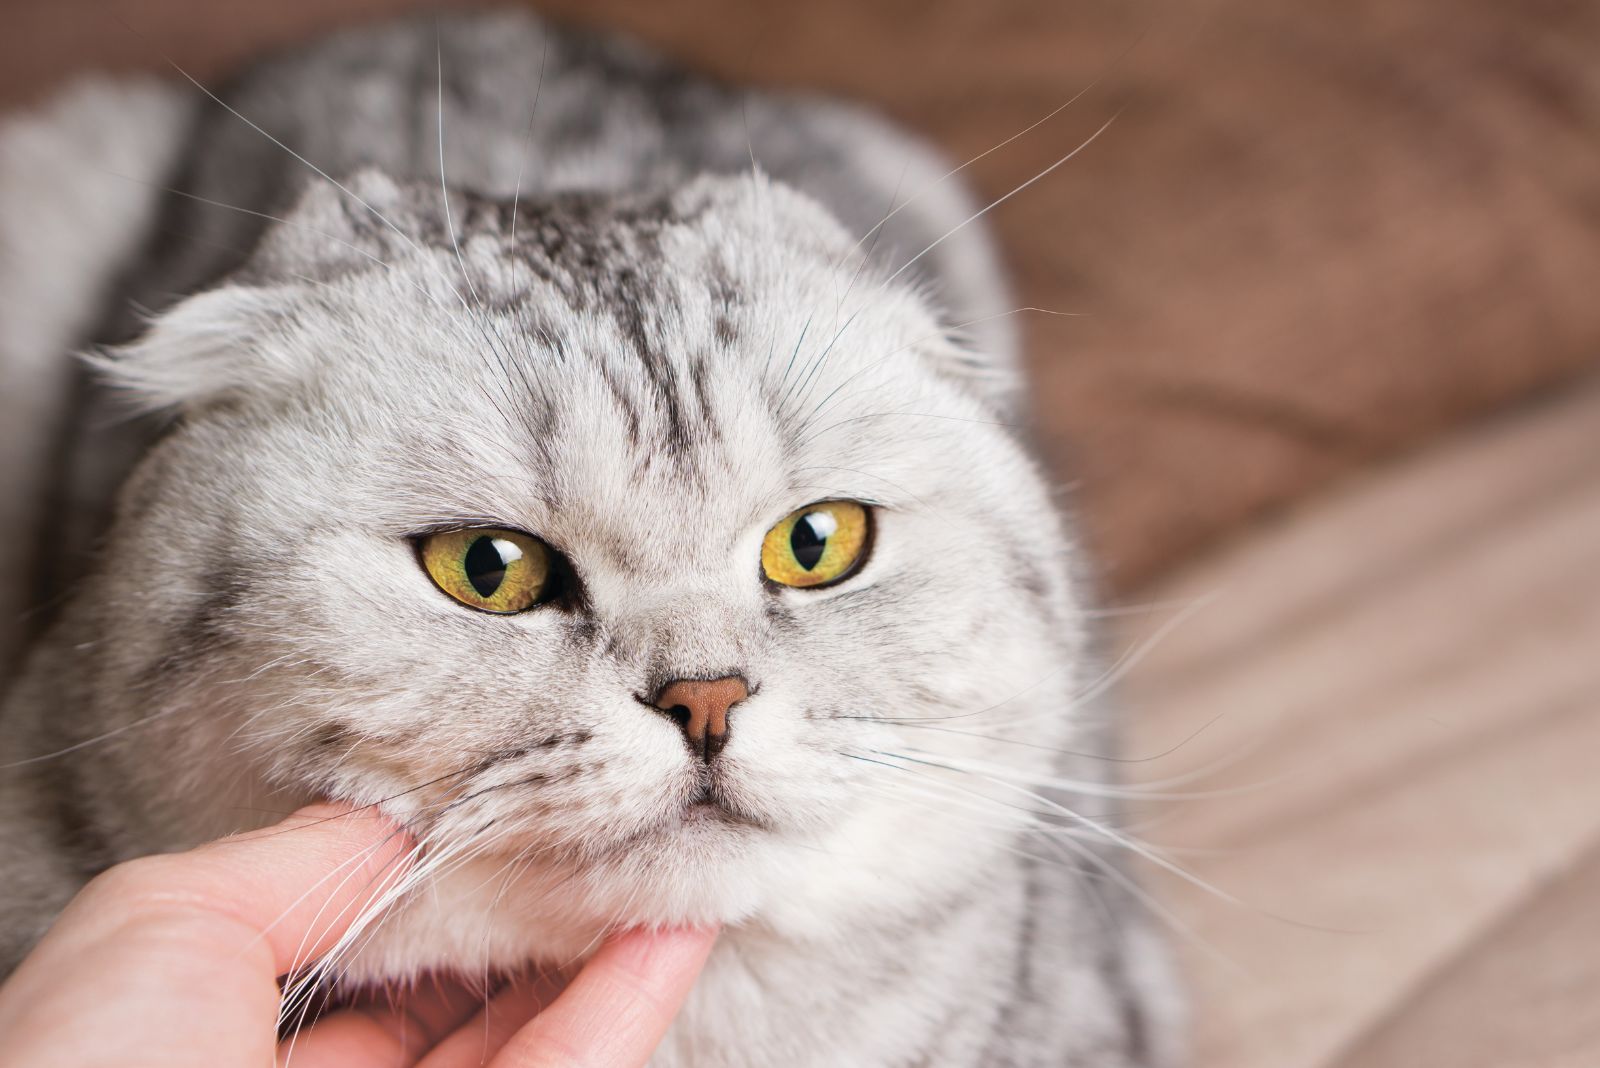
(485, 565)
(809, 539)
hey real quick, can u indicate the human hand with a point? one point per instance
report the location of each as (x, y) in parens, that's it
(174, 961)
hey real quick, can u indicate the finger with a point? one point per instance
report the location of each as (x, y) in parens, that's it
(479, 1039)
(175, 958)
(614, 1012)
(290, 891)
(385, 1030)
(352, 1038)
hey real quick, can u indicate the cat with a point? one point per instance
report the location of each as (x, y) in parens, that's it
(614, 476)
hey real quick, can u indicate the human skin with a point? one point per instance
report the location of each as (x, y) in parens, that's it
(174, 961)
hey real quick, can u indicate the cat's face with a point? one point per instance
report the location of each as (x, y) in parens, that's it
(647, 391)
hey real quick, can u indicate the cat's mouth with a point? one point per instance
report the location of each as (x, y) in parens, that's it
(708, 816)
(711, 806)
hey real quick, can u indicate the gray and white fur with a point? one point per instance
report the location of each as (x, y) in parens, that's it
(484, 271)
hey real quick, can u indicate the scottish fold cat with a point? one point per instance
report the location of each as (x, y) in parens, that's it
(613, 475)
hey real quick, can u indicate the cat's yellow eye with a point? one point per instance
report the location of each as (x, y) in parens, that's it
(819, 544)
(490, 569)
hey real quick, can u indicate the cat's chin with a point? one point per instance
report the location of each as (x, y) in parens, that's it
(704, 864)
(492, 915)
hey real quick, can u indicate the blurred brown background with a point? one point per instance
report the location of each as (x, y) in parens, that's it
(1338, 255)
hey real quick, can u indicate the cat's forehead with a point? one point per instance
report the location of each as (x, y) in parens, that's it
(663, 426)
(655, 299)
(643, 372)
(726, 313)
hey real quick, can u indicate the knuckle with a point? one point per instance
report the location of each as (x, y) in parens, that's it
(131, 880)
(146, 887)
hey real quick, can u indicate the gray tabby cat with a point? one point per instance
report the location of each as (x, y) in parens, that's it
(584, 475)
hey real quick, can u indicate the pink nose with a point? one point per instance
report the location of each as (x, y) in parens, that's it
(701, 708)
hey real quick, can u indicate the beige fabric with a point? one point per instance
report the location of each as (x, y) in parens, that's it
(1408, 683)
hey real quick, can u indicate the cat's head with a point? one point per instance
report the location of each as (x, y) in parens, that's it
(650, 556)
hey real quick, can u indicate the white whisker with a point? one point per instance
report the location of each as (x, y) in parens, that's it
(444, 189)
(981, 212)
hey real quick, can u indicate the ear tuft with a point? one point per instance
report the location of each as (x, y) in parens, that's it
(208, 347)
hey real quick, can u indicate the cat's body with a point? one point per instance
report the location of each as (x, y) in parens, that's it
(605, 328)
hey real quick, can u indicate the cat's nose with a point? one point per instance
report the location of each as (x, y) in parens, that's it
(700, 707)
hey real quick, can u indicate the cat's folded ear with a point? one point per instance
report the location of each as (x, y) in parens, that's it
(980, 349)
(207, 348)
(983, 363)
(236, 338)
